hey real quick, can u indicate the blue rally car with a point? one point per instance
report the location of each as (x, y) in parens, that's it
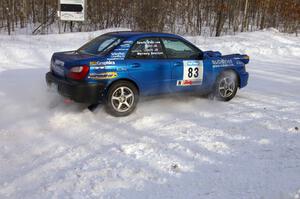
(116, 68)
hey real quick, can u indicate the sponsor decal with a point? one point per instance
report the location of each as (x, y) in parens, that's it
(127, 42)
(118, 54)
(147, 48)
(121, 49)
(101, 63)
(126, 46)
(101, 76)
(149, 42)
(222, 63)
(115, 58)
(149, 53)
(97, 67)
(188, 82)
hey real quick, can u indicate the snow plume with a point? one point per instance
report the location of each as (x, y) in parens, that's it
(181, 146)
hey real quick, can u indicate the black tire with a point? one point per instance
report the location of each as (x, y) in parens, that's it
(226, 86)
(122, 98)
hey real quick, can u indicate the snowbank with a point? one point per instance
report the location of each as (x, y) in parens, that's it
(261, 44)
(171, 147)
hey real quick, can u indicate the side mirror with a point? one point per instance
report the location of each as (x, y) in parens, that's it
(201, 56)
(196, 56)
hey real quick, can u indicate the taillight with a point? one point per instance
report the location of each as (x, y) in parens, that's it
(78, 72)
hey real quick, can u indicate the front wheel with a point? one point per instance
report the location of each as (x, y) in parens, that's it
(122, 99)
(226, 86)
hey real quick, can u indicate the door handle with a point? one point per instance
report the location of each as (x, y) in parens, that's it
(135, 65)
(177, 64)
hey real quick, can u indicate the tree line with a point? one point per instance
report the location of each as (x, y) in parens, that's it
(193, 17)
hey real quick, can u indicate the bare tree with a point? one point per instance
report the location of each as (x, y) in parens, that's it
(214, 17)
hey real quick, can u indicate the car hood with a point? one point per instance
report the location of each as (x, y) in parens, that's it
(218, 55)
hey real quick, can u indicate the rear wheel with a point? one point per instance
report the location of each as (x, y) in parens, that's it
(122, 98)
(226, 86)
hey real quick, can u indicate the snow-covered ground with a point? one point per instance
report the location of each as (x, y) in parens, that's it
(171, 147)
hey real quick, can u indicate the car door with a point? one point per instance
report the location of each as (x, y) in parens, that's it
(148, 67)
(187, 64)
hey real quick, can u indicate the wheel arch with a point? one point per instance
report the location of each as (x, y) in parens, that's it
(231, 70)
(124, 79)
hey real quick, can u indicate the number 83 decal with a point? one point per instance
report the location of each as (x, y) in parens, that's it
(192, 70)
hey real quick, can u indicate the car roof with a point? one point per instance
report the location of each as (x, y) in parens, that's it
(138, 34)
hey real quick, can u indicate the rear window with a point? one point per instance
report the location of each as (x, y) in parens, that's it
(100, 45)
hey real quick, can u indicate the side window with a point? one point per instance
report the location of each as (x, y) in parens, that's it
(176, 49)
(105, 43)
(147, 48)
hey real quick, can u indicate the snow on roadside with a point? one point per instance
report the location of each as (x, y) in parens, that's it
(171, 147)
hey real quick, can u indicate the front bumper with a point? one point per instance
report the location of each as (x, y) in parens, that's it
(81, 92)
(244, 79)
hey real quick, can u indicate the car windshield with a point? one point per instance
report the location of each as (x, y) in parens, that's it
(100, 45)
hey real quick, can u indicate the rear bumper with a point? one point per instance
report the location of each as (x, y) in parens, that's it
(81, 92)
(244, 79)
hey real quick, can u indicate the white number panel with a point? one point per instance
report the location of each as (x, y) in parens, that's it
(192, 73)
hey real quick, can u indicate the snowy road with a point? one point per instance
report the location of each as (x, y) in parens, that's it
(171, 147)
